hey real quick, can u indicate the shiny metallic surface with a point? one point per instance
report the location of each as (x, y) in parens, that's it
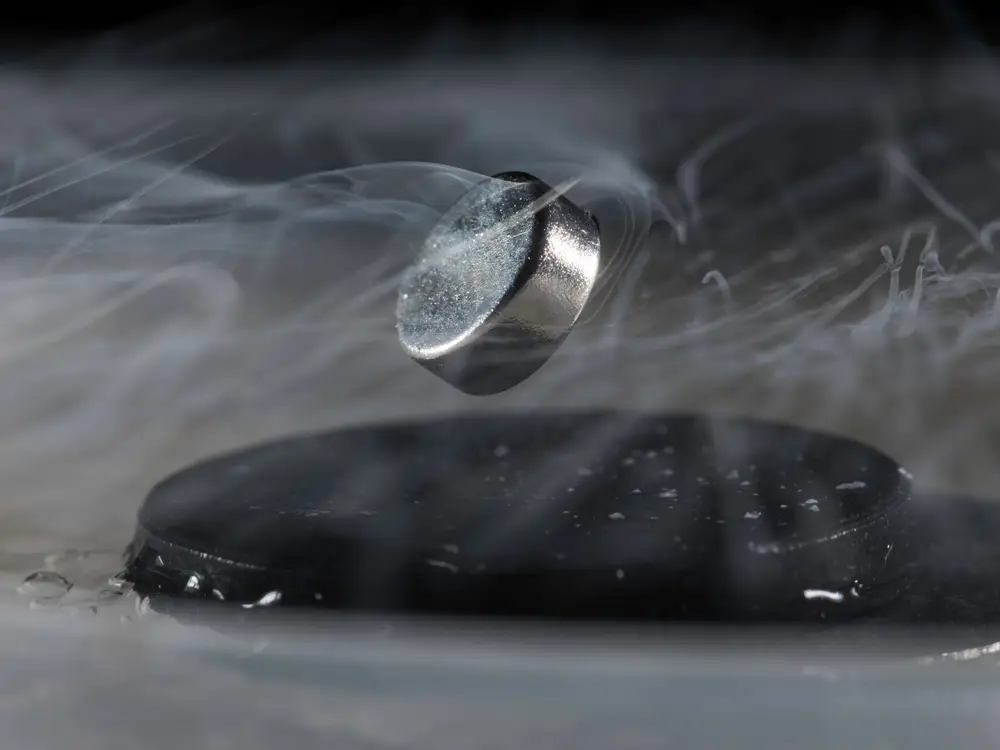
(499, 284)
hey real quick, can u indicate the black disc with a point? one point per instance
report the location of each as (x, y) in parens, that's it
(604, 514)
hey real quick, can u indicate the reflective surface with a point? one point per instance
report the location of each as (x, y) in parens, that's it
(499, 284)
(438, 685)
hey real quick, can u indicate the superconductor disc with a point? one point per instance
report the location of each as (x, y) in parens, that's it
(556, 515)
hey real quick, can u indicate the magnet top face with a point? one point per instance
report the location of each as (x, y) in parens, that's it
(499, 283)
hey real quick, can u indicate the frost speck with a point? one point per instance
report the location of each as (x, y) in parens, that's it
(501, 450)
(852, 486)
(752, 515)
(442, 564)
(268, 600)
(830, 596)
(668, 493)
(620, 574)
(617, 517)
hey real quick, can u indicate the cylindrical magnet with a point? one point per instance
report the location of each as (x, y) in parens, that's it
(499, 283)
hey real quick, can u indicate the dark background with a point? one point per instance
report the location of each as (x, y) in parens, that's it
(234, 33)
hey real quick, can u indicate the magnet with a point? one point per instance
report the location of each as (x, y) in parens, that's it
(499, 283)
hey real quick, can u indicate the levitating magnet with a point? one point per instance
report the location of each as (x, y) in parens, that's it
(500, 282)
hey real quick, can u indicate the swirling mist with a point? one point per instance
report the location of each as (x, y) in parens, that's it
(188, 266)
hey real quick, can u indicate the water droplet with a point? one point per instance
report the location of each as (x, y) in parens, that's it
(45, 584)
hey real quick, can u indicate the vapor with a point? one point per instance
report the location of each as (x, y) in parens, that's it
(188, 266)
(190, 263)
